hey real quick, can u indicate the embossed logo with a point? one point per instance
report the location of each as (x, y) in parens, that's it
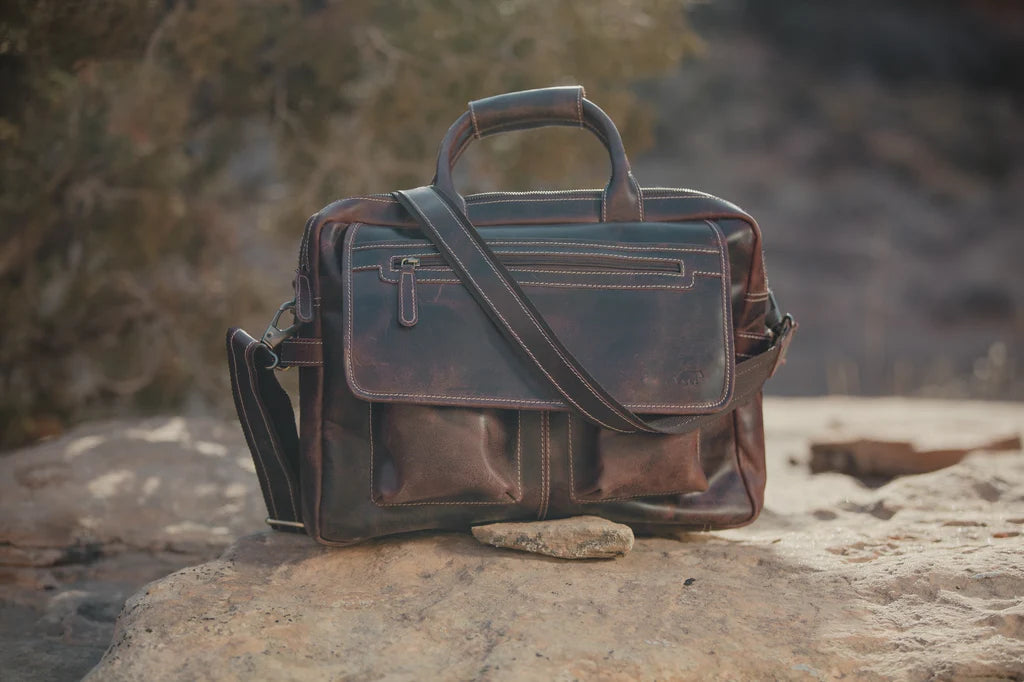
(690, 377)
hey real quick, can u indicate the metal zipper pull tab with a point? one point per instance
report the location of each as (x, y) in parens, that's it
(408, 308)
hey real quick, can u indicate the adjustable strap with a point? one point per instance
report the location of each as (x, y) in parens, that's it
(500, 296)
(268, 422)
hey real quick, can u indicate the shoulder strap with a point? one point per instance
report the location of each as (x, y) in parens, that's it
(268, 422)
(500, 296)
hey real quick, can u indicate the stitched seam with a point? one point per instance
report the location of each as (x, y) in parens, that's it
(471, 202)
(572, 484)
(749, 335)
(726, 309)
(555, 199)
(579, 105)
(502, 317)
(402, 299)
(472, 115)
(629, 419)
(569, 254)
(651, 248)
(569, 285)
(519, 475)
(545, 466)
(599, 273)
(249, 431)
(273, 438)
(639, 194)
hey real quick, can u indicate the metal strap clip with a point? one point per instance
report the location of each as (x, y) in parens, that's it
(275, 336)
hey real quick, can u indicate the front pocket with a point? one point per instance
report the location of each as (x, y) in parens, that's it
(444, 455)
(605, 466)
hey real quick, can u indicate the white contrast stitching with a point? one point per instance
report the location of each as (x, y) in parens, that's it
(567, 285)
(245, 413)
(472, 115)
(401, 299)
(272, 438)
(652, 247)
(545, 466)
(569, 254)
(273, 441)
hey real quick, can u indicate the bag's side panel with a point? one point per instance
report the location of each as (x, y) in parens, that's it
(750, 305)
(749, 428)
(311, 379)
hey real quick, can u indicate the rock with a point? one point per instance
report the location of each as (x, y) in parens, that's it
(890, 446)
(158, 484)
(580, 537)
(868, 458)
(916, 579)
(89, 518)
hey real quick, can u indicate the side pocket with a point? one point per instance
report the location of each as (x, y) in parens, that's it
(605, 465)
(444, 455)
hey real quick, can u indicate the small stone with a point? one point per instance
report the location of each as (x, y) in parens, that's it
(579, 537)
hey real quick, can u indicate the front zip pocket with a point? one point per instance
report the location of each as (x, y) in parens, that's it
(555, 263)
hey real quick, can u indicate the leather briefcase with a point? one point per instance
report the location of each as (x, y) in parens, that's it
(516, 355)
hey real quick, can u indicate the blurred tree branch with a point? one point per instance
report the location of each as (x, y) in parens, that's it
(135, 133)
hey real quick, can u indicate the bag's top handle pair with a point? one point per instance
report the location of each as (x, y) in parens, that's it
(559, 106)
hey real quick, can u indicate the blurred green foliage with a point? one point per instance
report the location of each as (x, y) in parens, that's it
(156, 153)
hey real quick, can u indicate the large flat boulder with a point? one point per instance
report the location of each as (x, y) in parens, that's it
(87, 519)
(919, 578)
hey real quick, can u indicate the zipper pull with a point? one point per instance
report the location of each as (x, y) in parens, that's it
(408, 310)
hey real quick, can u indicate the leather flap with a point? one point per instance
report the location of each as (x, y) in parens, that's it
(645, 307)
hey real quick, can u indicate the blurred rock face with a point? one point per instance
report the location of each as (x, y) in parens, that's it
(88, 518)
(880, 146)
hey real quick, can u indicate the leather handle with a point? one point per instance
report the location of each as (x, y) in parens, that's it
(528, 109)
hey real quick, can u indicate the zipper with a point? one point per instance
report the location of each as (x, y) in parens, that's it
(550, 261)
(408, 307)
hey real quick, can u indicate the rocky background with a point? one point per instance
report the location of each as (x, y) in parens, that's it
(156, 169)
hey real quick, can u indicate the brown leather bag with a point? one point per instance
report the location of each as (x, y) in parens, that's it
(516, 355)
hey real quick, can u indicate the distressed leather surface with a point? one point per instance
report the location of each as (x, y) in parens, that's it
(375, 468)
(645, 305)
(415, 414)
